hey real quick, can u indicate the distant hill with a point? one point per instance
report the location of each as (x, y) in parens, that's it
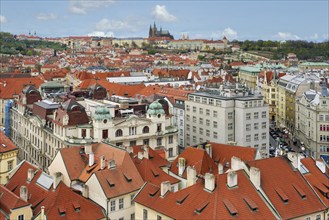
(10, 45)
(303, 49)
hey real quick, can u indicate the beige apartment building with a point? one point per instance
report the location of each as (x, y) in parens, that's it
(8, 157)
(289, 88)
(231, 116)
(312, 122)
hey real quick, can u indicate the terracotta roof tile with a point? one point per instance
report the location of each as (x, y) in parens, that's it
(195, 202)
(280, 186)
(6, 144)
(197, 158)
(318, 180)
(10, 201)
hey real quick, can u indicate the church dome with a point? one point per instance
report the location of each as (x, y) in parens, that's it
(155, 108)
(102, 113)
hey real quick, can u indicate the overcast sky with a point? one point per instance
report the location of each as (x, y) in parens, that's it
(253, 20)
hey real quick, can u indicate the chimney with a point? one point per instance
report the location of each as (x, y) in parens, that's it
(140, 155)
(102, 162)
(220, 168)
(129, 149)
(191, 176)
(111, 165)
(30, 175)
(42, 215)
(165, 187)
(255, 177)
(58, 177)
(232, 179)
(209, 182)
(85, 191)
(23, 193)
(181, 166)
(146, 151)
(91, 159)
(236, 163)
(88, 149)
(209, 149)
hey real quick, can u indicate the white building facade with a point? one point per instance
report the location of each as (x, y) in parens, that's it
(241, 120)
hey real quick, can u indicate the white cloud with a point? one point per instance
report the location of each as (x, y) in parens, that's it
(286, 36)
(46, 17)
(101, 34)
(83, 6)
(227, 32)
(3, 19)
(106, 25)
(160, 12)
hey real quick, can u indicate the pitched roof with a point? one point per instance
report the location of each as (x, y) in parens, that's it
(195, 202)
(6, 144)
(63, 197)
(14, 86)
(124, 176)
(10, 201)
(149, 168)
(318, 180)
(286, 188)
(197, 158)
(222, 153)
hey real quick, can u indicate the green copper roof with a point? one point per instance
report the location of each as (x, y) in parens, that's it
(155, 108)
(102, 113)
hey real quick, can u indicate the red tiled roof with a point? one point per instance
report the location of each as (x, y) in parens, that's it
(74, 205)
(52, 199)
(149, 169)
(78, 168)
(10, 201)
(280, 182)
(195, 202)
(12, 86)
(222, 153)
(318, 180)
(6, 144)
(197, 158)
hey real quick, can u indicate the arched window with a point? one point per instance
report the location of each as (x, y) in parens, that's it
(146, 129)
(118, 133)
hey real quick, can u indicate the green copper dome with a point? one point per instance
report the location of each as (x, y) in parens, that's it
(155, 108)
(102, 113)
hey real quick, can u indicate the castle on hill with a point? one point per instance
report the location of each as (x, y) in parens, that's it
(154, 32)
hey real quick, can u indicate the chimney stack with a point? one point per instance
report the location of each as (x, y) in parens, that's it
(102, 162)
(42, 215)
(232, 179)
(85, 191)
(146, 152)
(208, 148)
(209, 182)
(165, 187)
(91, 159)
(140, 155)
(181, 166)
(30, 175)
(129, 149)
(58, 177)
(23, 193)
(255, 177)
(88, 149)
(111, 165)
(191, 176)
(236, 163)
(220, 168)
